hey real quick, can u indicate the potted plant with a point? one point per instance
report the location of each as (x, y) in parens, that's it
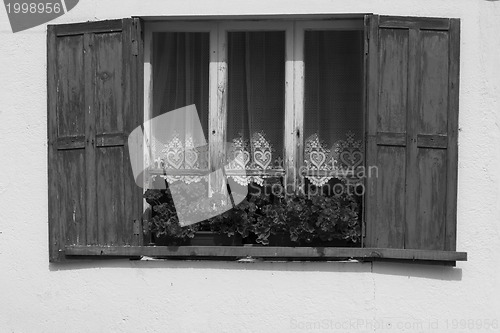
(294, 220)
(166, 229)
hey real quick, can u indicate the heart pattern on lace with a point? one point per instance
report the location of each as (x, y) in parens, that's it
(351, 158)
(317, 158)
(262, 159)
(175, 158)
(241, 158)
(191, 158)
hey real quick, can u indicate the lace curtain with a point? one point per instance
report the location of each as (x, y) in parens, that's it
(333, 103)
(256, 103)
(333, 117)
(180, 79)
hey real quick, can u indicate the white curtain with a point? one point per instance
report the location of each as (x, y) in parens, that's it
(333, 101)
(180, 80)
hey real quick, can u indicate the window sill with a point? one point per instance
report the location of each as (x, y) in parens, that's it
(269, 253)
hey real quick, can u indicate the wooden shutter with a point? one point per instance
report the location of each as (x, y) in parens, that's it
(94, 102)
(412, 125)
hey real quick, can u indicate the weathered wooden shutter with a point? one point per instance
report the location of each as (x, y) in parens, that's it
(412, 124)
(94, 102)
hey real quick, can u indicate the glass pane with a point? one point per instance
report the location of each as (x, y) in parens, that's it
(180, 62)
(256, 99)
(333, 101)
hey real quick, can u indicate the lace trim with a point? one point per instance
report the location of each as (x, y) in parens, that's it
(179, 155)
(256, 156)
(344, 155)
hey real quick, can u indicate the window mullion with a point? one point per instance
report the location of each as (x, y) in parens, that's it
(218, 109)
(298, 102)
(290, 131)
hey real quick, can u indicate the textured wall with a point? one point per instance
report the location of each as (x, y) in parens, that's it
(83, 296)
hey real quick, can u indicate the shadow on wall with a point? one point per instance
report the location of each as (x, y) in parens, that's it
(436, 272)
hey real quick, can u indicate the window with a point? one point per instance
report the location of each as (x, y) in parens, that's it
(353, 119)
(254, 110)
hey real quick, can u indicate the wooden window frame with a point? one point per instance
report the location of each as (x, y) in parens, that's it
(218, 85)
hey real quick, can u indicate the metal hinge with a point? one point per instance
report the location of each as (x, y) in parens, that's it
(367, 42)
(367, 35)
(135, 47)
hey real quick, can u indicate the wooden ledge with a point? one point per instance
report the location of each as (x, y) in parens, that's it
(265, 252)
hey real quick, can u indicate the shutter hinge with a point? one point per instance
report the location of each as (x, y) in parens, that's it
(367, 43)
(135, 47)
(137, 227)
(367, 35)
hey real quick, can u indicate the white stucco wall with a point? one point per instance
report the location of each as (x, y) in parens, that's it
(176, 296)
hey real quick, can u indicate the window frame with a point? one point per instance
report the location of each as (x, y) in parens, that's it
(294, 81)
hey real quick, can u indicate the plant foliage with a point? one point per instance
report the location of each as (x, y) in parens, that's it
(302, 218)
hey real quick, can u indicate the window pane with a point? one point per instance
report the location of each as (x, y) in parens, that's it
(180, 72)
(333, 101)
(180, 62)
(256, 97)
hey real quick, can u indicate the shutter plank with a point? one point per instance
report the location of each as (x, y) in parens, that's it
(110, 196)
(391, 116)
(71, 97)
(428, 230)
(433, 66)
(390, 215)
(412, 195)
(55, 234)
(108, 98)
(90, 161)
(405, 22)
(108, 77)
(452, 162)
(89, 27)
(72, 208)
